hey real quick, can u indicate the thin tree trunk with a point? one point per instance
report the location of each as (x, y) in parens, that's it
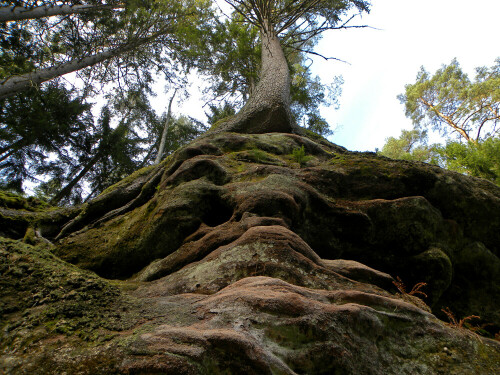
(161, 148)
(8, 13)
(8, 154)
(65, 191)
(145, 160)
(15, 84)
(16, 145)
(268, 108)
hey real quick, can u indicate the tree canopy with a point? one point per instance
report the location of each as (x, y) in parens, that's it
(115, 48)
(411, 145)
(466, 113)
(123, 43)
(451, 103)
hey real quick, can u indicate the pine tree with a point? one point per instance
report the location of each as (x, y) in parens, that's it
(268, 106)
(451, 103)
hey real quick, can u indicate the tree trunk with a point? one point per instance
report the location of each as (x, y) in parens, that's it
(268, 108)
(65, 191)
(8, 13)
(12, 85)
(14, 147)
(161, 148)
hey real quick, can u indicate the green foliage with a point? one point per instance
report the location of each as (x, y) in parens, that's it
(411, 145)
(308, 94)
(36, 123)
(258, 155)
(219, 112)
(304, 19)
(299, 155)
(146, 37)
(183, 130)
(479, 160)
(47, 133)
(234, 70)
(451, 103)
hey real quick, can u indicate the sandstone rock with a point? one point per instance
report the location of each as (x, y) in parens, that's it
(359, 272)
(229, 257)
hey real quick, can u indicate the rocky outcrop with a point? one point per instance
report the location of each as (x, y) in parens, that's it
(239, 255)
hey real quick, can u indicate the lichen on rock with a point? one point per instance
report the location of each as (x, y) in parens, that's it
(232, 257)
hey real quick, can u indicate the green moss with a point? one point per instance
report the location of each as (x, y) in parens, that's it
(30, 237)
(313, 135)
(42, 296)
(127, 180)
(254, 155)
(218, 123)
(18, 202)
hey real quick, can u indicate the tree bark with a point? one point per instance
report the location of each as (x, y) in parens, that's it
(12, 85)
(8, 13)
(161, 148)
(268, 108)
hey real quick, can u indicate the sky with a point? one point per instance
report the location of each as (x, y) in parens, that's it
(404, 35)
(409, 34)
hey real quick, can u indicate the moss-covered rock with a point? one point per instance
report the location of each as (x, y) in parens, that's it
(18, 202)
(241, 259)
(42, 297)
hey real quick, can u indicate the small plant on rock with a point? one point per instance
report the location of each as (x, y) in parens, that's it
(460, 323)
(415, 290)
(299, 155)
(411, 296)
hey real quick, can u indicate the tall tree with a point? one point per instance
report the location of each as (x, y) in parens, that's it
(451, 103)
(234, 72)
(268, 106)
(115, 148)
(164, 134)
(125, 44)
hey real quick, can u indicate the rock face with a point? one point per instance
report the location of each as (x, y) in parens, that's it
(239, 255)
